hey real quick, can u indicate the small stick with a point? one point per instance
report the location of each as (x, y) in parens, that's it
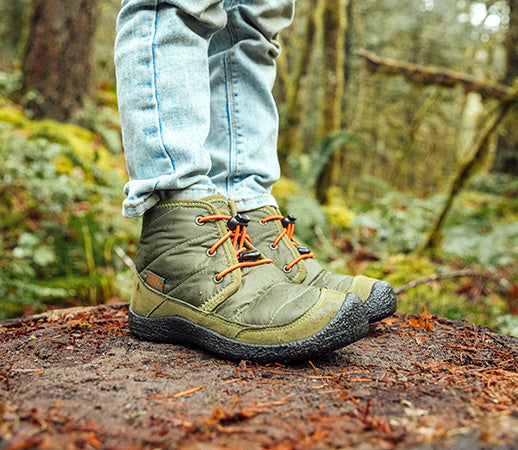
(441, 276)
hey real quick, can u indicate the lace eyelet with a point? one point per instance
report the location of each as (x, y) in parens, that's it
(209, 254)
(262, 223)
(215, 279)
(197, 221)
(274, 247)
(286, 270)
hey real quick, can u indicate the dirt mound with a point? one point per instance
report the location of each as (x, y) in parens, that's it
(79, 380)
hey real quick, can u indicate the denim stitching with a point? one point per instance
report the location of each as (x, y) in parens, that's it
(229, 114)
(146, 198)
(151, 194)
(231, 106)
(153, 58)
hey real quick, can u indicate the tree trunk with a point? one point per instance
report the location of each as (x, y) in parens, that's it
(17, 22)
(290, 142)
(334, 26)
(506, 159)
(511, 44)
(58, 62)
(12, 33)
(476, 158)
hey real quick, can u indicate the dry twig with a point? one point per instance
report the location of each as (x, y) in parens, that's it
(441, 276)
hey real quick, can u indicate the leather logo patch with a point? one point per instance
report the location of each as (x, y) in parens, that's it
(155, 282)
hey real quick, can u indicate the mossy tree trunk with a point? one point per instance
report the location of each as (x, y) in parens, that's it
(507, 153)
(16, 23)
(467, 168)
(512, 43)
(290, 140)
(58, 62)
(334, 23)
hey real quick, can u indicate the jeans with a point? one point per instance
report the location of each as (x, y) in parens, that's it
(194, 81)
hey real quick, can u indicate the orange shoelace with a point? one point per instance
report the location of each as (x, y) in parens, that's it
(236, 232)
(288, 224)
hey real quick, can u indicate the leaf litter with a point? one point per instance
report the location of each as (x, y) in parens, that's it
(80, 380)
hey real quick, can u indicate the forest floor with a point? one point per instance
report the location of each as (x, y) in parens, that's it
(77, 379)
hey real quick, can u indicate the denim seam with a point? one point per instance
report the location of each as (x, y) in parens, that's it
(153, 59)
(148, 196)
(136, 205)
(231, 120)
(232, 93)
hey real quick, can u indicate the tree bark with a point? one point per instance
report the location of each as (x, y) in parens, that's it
(289, 143)
(506, 159)
(16, 19)
(334, 26)
(479, 152)
(511, 44)
(59, 62)
(466, 170)
(430, 75)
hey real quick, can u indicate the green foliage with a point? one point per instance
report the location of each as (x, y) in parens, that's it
(309, 167)
(10, 83)
(62, 184)
(389, 226)
(451, 298)
(103, 118)
(60, 207)
(508, 324)
(412, 136)
(311, 220)
(398, 222)
(13, 27)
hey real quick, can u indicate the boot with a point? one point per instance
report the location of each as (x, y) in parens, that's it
(272, 234)
(200, 281)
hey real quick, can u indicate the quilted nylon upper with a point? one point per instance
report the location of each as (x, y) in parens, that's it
(174, 247)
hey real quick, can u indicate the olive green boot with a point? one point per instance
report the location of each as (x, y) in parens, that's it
(199, 281)
(272, 234)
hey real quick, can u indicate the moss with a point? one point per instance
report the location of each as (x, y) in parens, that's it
(285, 188)
(61, 185)
(441, 298)
(63, 164)
(339, 216)
(81, 142)
(107, 98)
(336, 210)
(11, 113)
(400, 269)
(80, 147)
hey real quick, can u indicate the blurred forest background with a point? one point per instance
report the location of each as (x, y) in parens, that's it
(398, 142)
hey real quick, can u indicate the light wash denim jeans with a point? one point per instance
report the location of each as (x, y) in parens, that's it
(194, 81)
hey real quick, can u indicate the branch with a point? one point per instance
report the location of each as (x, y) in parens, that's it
(441, 276)
(466, 170)
(125, 258)
(427, 75)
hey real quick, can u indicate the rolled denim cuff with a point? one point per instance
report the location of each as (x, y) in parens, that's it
(137, 206)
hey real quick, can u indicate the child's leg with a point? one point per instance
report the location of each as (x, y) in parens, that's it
(244, 122)
(242, 143)
(198, 280)
(164, 97)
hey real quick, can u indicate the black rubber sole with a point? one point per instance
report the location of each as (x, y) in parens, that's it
(381, 303)
(349, 325)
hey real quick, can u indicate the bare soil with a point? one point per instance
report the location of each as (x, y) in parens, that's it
(77, 379)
